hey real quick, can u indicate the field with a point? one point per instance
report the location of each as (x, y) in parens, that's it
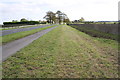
(97, 33)
(65, 53)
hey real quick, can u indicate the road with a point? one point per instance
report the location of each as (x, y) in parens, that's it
(12, 47)
(6, 32)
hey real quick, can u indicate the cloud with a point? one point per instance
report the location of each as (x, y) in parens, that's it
(75, 9)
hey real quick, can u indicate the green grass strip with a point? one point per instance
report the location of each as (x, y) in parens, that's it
(15, 36)
(25, 26)
(63, 52)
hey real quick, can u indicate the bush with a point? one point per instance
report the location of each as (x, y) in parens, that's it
(24, 22)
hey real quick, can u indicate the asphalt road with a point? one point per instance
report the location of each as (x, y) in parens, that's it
(12, 47)
(6, 32)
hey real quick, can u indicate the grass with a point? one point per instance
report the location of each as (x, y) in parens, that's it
(64, 52)
(14, 36)
(25, 26)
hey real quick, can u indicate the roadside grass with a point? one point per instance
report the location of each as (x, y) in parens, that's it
(64, 52)
(15, 36)
(113, 43)
(24, 26)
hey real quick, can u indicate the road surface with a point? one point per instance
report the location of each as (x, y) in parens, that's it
(12, 47)
(6, 32)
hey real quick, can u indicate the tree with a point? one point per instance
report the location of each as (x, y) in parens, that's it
(67, 21)
(14, 21)
(59, 16)
(82, 19)
(50, 17)
(65, 18)
(23, 20)
(62, 17)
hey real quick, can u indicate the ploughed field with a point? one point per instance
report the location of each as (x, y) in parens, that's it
(65, 52)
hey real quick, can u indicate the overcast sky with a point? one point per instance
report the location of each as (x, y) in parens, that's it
(90, 10)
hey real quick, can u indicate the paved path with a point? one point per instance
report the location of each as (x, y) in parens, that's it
(6, 32)
(12, 47)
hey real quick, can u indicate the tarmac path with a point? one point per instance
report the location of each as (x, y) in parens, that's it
(6, 32)
(12, 47)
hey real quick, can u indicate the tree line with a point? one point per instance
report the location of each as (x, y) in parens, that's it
(51, 18)
(58, 17)
(22, 21)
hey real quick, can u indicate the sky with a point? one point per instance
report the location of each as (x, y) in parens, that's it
(90, 10)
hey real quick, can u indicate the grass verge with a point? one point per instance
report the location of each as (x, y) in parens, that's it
(64, 52)
(24, 26)
(14, 36)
